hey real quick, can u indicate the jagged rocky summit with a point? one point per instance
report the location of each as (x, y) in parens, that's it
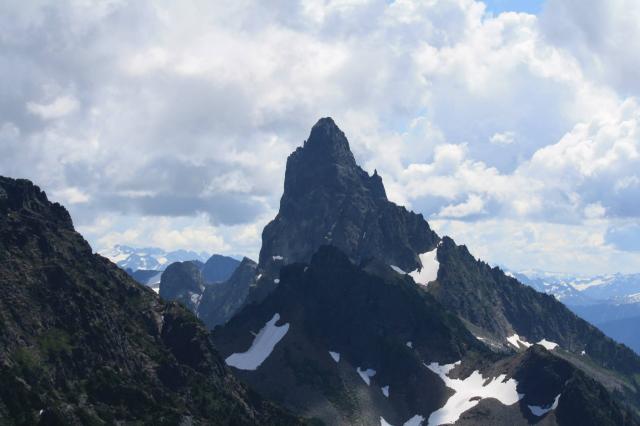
(330, 200)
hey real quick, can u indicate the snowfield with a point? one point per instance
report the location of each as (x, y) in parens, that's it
(413, 421)
(366, 375)
(398, 270)
(473, 387)
(430, 267)
(548, 345)
(262, 346)
(335, 356)
(541, 411)
(516, 341)
(385, 391)
(383, 422)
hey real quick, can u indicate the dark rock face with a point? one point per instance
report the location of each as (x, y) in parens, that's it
(385, 323)
(500, 305)
(333, 305)
(82, 343)
(219, 302)
(329, 199)
(219, 268)
(182, 282)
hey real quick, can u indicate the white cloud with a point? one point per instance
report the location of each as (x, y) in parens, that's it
(181, 131)
(57, 108)
(603, 35)
(70, 195)
(504, 138)
(594, 211)
(474, 205)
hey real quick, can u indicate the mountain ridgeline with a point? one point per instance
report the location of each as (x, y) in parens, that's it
(361, 314)
(357, 313)
(81, 343)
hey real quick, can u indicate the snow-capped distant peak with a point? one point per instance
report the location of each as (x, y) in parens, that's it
(149, 258)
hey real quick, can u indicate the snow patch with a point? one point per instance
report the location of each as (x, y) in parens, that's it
(277, 257)
(258, 277)
(195, 298)
(262, 346)
(469, 391)
(414, 421)
(430, 266)
(366, 375)
(398, 270)
(385, 391)
(409, 344)
(548, 345)
(516, 341)
(541, 411)
(583, 353)
(277, 281)
(335, 356)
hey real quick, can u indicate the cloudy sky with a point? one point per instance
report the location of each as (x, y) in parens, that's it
(513, 126)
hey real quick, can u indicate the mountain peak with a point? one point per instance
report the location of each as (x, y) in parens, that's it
(22, 196)
(327, 143)
(329, 200)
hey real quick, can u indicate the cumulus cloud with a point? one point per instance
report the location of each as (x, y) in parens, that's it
(504, 138)
(603, 35)
(474, 205)
(178, 135)
(57, 108)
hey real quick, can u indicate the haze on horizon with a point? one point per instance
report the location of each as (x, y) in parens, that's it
(517, 132)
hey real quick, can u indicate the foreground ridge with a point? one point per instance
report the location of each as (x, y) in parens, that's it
(82, 343)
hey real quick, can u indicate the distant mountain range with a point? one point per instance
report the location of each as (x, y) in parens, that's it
(147, 265)
(575, 290)
(611, 302)
(149, 258)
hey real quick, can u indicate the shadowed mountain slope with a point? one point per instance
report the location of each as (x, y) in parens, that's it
(82, 343)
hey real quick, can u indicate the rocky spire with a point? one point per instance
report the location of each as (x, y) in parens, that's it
(329, 199)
